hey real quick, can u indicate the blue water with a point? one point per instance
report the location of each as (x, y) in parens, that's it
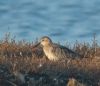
(62, 20)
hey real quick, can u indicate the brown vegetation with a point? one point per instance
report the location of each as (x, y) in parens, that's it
(23, 65)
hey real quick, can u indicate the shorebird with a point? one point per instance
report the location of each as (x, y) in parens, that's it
(54, 51)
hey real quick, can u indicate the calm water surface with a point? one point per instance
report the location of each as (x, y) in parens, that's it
(62, 20)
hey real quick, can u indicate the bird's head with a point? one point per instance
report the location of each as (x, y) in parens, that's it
(44, 41)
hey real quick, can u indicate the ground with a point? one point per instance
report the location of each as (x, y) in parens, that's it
(23, 65)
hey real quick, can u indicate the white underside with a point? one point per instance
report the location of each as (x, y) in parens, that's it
(50, 55)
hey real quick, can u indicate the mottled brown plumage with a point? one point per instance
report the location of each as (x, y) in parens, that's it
(54, 51)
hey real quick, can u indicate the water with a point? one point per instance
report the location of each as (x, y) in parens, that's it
(62, 20)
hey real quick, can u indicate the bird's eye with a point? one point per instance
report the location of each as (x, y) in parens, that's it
(43, 40)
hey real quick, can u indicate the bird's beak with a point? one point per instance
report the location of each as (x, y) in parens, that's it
(36, 45)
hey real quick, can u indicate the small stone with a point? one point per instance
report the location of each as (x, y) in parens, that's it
(74, 82)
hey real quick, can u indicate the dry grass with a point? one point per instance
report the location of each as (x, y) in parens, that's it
(22, 57)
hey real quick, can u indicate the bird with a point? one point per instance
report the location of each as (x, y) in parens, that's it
(54, 51)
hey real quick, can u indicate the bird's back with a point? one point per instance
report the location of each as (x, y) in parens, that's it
(63, 52)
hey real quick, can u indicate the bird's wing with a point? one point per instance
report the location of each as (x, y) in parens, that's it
(63, 51)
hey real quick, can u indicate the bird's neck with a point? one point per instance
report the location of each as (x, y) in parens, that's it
(47, 50)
